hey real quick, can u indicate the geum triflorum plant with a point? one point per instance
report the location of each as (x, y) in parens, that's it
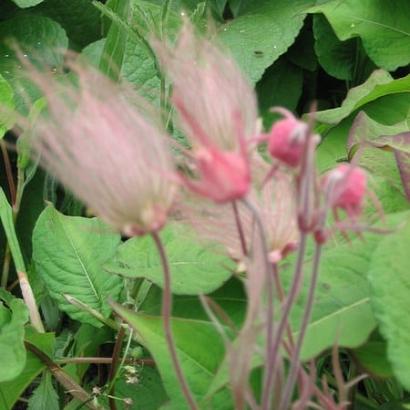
(109, 147)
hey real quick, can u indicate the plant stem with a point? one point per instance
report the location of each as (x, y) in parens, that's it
(104, 360)
(283, 323)
(30, 301)
(113, 369)
(239, 227)
(63, 378)
(9, 171)
(294, 366)
(166, 317)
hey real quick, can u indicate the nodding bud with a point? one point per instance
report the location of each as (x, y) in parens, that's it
(286, 140)
(217, 111)
(107, 145)
(346, 186)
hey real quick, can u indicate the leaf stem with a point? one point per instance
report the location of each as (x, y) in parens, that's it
(166, 317)
(239, 227)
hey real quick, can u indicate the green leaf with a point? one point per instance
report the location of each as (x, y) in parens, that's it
(44, 396)
(69, 253)
(200, 350)
(148, 393)
(10, 391)
(342, 312)
(262, 32)
(26, 3)
(6, 106)
(382, 26)
(114, 46)
(79, 18)
(195, 267)
(6, 216)
(344, 60)
(379, 84)
(41, 38)
(372, 357)
(302, 52)
(12, 337)
(390, 293)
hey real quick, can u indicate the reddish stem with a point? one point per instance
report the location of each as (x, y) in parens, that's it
(166, 317)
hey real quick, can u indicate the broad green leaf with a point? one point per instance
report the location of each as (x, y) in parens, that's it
(10, 391)
(390, 293)
(195, 267)
(379, 84)
(12, 337)
(6, 106)
(382, 26)
(27, 3)
(342, 313)
(44, 396)
(69, 253)
(262, 32)
(281, 85)
(302, 52)
(40, 38)
(200, 350)
(344, 60)
(79, 18)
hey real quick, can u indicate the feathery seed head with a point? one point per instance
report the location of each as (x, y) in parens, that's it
(105, 144)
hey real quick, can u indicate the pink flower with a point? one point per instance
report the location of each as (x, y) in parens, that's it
(286, 140)
(347, 186)
(105, 144)
(216, 110)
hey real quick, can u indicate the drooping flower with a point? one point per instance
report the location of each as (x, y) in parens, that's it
(287, 139)
(347, 186)
(106, 145)
(216, 110)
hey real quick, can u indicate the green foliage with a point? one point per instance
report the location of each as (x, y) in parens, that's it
(13, 316)
(44, 397)
(69, 253)
(6, 101)
(195, 267)
(390, 290)
(382, 26)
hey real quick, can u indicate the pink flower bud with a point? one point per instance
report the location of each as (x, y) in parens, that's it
(286, 140)
(106, 144)
(347, 185)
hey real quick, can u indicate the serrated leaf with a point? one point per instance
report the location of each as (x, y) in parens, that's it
(12, 338)
(6, 106)
(390, 293)
(382, 26)
(200, 350)
(195, 267)
(44, 396)
(69, 253)
(262, 32)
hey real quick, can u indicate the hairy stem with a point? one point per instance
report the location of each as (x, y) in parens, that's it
(294, 363)
(166, 317)
(104, 360)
